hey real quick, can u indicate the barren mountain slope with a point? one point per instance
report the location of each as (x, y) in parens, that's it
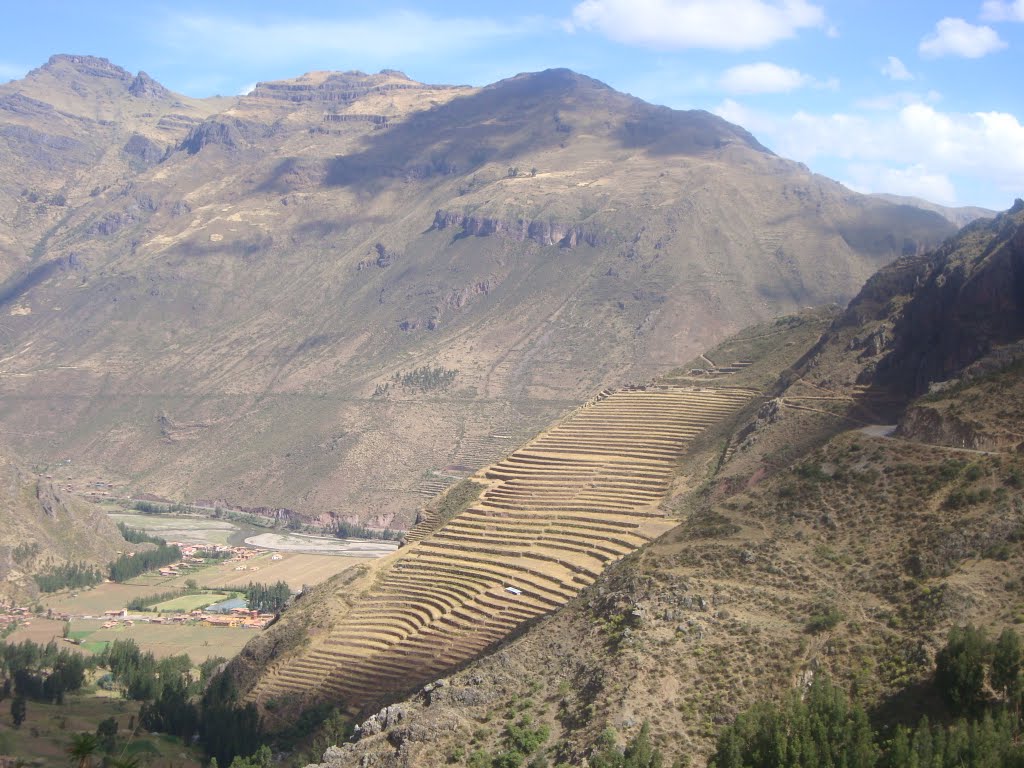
(216, 326)
(41, 527)
(69, 130)
(852, 552)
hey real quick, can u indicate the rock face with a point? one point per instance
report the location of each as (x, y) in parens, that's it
(540, 232)
(930, 425)
(969, 299)
(89, 66)
(145, 86)
(335, 87)
(226, 133)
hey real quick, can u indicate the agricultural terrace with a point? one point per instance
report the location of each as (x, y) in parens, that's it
(553, 515)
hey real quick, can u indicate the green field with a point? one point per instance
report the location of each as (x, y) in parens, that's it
(192, 602)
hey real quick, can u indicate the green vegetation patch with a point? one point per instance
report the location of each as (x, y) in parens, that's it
(192, 602)
(457, 499)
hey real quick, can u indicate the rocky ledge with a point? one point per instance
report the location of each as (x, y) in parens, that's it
(542, 232)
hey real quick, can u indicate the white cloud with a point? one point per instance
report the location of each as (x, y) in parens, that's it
(731, 25)
(1001, 10)
(892, 101)
(895, 69)
(377, 39)
(763, 77)
(913, 180)
(919, 141)
(956, 37)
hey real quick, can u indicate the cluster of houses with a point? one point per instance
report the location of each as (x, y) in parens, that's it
(192, 554)
(12, 614)
(232, 618)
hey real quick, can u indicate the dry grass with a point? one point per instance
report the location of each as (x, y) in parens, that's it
(198, 641)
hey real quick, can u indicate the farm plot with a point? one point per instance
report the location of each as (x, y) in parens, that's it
(552, 516)
(191, 602)
(293, 568)
(191, 529)
(199, 641)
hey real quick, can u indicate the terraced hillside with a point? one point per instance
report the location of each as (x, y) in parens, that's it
(552, 516)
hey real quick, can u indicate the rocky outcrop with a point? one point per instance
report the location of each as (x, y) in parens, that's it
(968, 303)
(926, 424)
(144, 86)
(226, 132)
(142, 150)
(343, 87)
(378, 121)
(541, 232)
(91, 66)
(211, 132)
(175, 122)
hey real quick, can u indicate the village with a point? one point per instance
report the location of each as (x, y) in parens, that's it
(213, 617)
(228, 613)
(190, 556)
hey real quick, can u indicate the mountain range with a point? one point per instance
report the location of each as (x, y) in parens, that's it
(340, 292)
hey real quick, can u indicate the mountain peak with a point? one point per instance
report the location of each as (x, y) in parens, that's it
(558, 80)
(91, 66)
(344, 87)
(144, 85)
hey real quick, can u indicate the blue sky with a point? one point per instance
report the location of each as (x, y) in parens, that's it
(910, 97)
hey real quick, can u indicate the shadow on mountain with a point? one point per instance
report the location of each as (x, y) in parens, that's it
(509, 120)
(18, 285)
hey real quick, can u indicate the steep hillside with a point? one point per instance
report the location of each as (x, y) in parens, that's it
(549, 519)
(336, 291)
(824, 543)
(42, 527)
(69, 130)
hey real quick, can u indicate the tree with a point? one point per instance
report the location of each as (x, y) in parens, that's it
(82, 749)
(1006, 664)
(106, 734)
(819, 729)
(18, 710)
(640, 753)
(960, 668)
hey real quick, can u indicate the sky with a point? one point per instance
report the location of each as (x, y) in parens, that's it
(903, 96)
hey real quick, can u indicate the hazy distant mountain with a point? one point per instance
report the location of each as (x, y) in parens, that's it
(960, 215)
(261, 299)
